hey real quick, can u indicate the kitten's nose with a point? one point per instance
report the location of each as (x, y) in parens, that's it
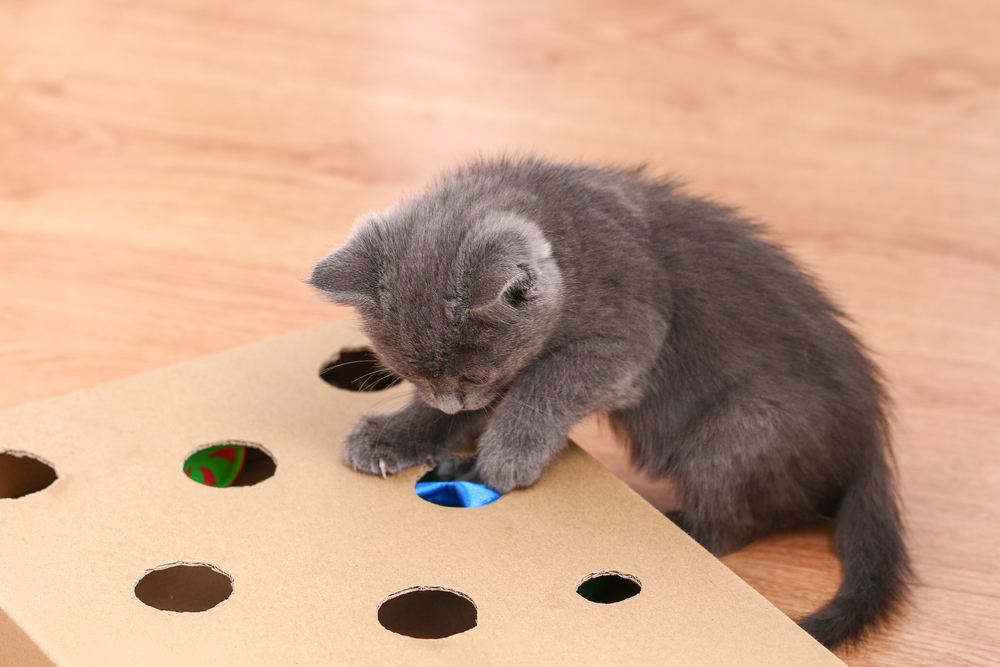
(450, 403)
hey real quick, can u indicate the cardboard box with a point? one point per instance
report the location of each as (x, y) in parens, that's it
(305, 566)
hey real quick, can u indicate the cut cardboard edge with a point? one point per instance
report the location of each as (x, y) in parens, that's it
(357, 340)
(17, 649)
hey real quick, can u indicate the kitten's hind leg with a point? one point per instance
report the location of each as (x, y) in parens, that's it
(386, 443)
(742, 470)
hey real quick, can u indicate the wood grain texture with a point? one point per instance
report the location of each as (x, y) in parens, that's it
(169, 170)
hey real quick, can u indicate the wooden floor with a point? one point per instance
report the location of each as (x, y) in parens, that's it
(169, 170)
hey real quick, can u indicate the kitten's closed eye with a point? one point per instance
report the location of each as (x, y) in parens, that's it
(473, 379)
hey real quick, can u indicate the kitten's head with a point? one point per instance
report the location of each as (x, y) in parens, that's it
(458, 300)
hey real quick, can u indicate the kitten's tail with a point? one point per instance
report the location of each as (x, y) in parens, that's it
(876, 567)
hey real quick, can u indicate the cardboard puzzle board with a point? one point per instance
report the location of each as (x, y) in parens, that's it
(311, 553)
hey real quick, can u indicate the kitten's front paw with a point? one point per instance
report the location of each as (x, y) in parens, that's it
(372, 447)
(506, 473)
(514, 456)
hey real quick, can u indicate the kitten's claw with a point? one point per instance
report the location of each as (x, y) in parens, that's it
(376, 446)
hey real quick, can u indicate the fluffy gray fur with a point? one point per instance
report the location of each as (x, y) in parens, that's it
(518, 296)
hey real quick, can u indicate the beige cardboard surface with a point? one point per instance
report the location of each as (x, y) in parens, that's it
(314, 550)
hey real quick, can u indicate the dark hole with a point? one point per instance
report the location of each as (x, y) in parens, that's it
(427, 613)
(188, 587)
(357, 370)
(22, 473)
(609, 587)
(452, 470)
(257, 467)
(215, 470)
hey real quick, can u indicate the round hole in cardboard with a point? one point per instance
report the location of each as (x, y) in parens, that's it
(454, 483)
(357, 369)
(22, 473)
(227, 463)
(427, 612)
(184, 587)
(608, 587)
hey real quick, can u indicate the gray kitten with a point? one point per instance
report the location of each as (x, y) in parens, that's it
(519, 296)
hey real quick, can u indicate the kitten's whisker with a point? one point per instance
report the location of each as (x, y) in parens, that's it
(337, 364)
(531, 407)
(375, 377)
(387, 402)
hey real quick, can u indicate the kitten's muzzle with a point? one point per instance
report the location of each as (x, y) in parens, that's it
(449, 403)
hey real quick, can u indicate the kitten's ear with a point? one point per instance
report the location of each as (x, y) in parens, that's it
(509, 264)
(350, 274)
(499, 283)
